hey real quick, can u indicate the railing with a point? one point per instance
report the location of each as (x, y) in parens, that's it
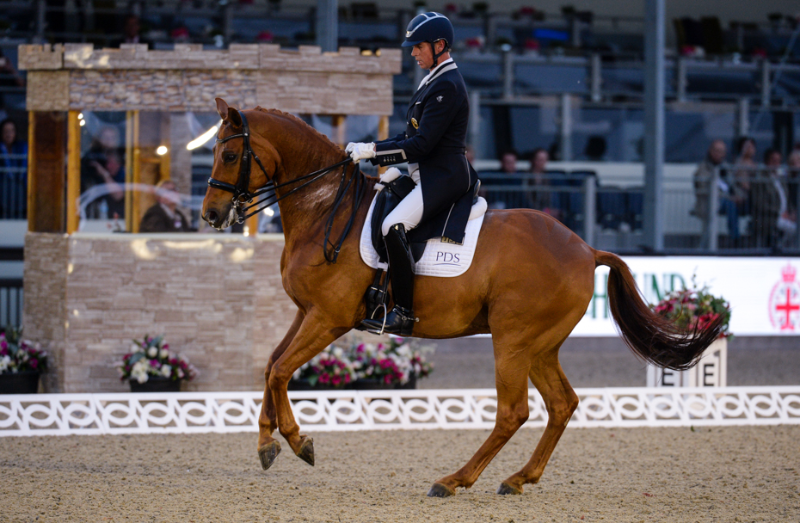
(224, 412)
(11, 295)
(13, 187)
(753, 208)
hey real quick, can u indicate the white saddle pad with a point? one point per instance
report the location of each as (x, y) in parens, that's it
(440, 259)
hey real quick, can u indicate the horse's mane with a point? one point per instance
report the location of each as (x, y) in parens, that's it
(278, 112)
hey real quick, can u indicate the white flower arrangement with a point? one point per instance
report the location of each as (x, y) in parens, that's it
(152, 358)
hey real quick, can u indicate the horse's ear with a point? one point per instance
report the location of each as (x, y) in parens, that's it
(222, 108)
(234, 117)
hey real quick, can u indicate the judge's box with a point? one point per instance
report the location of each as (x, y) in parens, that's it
(710, 371)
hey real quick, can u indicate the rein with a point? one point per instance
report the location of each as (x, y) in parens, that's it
(242, 195)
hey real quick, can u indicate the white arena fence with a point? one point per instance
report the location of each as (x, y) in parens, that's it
(202, 412)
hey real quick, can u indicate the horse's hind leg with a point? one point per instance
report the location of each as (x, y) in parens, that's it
(269, 447)
(511, 374)
(560, 401)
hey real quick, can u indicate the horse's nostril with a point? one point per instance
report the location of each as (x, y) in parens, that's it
(211, 217)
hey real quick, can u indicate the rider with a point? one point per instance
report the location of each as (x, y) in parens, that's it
(433, 145)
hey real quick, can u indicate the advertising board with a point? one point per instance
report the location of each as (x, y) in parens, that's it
(764, 293)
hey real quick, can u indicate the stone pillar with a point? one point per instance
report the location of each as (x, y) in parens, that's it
(180, 157)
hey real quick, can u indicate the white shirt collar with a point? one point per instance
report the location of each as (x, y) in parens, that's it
(434, 71)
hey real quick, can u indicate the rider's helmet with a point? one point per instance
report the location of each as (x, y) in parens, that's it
(430, 27)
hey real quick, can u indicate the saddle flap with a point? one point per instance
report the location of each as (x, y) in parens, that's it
(385, 203)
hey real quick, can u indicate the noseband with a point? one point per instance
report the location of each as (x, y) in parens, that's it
(243, 199)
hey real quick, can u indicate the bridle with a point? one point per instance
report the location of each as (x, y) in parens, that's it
(243, 199)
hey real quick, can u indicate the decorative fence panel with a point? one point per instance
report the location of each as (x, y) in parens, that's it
(198, 412)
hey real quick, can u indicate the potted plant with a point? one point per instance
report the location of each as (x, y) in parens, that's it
(329, 370)
(694, 310)
(152, 367)
(21, 363)
(395, 365)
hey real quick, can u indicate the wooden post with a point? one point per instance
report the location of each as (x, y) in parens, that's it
(383, 133)
(128, 170)
(46, 153)
(136, 177)
(251, 225)
(338, 125)
(73, 171)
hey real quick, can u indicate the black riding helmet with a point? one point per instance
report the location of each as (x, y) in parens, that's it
(430, 27)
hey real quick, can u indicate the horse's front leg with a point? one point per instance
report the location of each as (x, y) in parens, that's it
(314, 335)
(269, 447)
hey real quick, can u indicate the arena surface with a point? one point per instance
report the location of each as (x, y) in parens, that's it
(617, 475)
(621, 475)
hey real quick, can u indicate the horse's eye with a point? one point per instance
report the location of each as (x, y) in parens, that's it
(229, 157)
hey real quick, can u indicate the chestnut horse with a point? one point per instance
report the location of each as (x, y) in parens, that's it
(530, 283)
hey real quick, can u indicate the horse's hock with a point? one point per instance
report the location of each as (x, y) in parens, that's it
(217, 298)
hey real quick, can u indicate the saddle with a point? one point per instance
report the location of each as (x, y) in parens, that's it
(395, 188)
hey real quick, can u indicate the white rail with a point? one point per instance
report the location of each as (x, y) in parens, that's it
(196, 412)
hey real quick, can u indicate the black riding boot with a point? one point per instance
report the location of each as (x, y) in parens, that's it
(400, 320)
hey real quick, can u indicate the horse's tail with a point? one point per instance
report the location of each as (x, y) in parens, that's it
(650, 336)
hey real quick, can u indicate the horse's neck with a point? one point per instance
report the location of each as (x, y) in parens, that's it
(307, 208)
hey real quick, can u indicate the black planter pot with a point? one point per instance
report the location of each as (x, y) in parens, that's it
(26, 382)
(378, 384)
(306, 385)
(156, 384)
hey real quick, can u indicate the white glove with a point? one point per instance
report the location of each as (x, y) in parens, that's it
(360, 151)
(391, 174)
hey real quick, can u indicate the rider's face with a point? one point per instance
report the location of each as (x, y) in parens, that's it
(423, 54)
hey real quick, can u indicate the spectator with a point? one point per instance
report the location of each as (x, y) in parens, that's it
(13, 172)
(536, 186)
(793, 177)
(102, 164)
(508, 161)
(9, 78)
(727, 200)
(771, 215)
(131, 32)
(164, 215)
(744, 168)
(509, 196)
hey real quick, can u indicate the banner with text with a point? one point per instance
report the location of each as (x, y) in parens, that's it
(764, 293)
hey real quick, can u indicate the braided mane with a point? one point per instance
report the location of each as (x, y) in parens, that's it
(278, 112)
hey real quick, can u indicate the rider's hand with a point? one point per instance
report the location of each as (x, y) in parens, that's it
(360, 151)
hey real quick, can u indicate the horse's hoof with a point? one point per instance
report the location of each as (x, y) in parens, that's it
(306, 452)
(440, 491)
(268, 453)
(506, 489)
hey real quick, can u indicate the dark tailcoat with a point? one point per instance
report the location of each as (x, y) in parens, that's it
(435, 138)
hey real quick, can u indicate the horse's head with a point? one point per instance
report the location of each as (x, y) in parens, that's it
(235, 175)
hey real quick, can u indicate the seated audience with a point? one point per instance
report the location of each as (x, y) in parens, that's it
(103, 165)
(536, 186)
(773, 221)
(727, 199)
(164, 215)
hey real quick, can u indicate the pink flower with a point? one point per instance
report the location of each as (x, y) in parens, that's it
(347, 378)
(325, 378)
(336, 381)
(154, 363)
(34, 363)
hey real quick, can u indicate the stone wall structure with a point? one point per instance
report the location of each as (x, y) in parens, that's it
(78, 77)
(217, 298)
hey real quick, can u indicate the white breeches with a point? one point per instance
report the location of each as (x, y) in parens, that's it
(408, 211)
